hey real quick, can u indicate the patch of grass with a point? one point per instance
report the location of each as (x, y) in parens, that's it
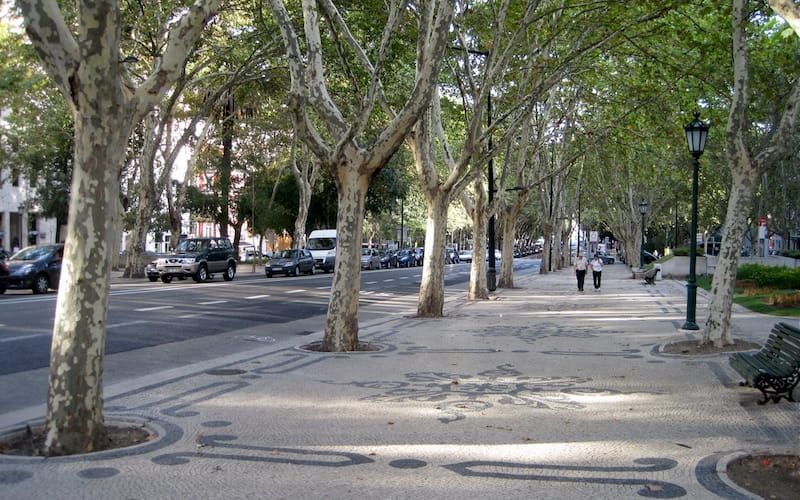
(764, 300)
(770, 301)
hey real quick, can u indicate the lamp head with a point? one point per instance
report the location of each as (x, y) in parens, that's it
(696, 135)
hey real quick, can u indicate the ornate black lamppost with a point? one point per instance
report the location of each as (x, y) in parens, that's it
(696, 135)
(643, 211)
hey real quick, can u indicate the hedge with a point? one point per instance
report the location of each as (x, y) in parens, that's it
(784, 278)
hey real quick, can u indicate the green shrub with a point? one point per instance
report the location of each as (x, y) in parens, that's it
(792, 254)
(684, 251)
(770, 276)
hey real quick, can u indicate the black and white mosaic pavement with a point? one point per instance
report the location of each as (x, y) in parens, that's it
(561, 407)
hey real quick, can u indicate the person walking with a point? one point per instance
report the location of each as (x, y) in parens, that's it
(580, 270)
(597, 270)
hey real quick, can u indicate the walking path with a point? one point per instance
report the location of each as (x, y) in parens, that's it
(541, 392)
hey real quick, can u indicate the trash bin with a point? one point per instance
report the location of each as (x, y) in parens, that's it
(658, 272)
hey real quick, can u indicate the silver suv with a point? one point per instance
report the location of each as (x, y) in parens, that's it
(198, 258)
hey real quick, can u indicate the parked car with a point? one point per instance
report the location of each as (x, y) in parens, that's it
(405, 258)
(370, 259)
(419, 255)
(290, 262)
(648, 257)
(3, 276)
(465, 256)
(606, 257)
(388, 258)
(451, 256)
(249, 254)
(37, 268)
(198, 258)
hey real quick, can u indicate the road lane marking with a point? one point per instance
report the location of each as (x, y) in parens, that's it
(256, 297)
(371, 282)
(156, 308)
(295, 291)
(211, 302)
(128, 323)
(24, 337)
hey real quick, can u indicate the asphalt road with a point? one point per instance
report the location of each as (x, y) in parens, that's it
(143, 315)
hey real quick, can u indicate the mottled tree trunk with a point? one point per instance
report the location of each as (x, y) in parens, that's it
(477, 272)
(507, 263)
(341, 326)
(137, 238)
(75, 399)
(431, 289)
(717, 327)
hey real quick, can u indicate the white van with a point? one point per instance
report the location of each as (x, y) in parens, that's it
(322, 244)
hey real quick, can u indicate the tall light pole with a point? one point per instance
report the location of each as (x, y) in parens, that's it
(696, 135)
(491, 271)
(643, 211)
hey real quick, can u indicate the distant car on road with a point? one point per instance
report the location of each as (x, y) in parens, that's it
(451, 256)
(419, 255)
(465, 256)
(405, 258)
(290, 262)
(3, 276)
(648, 257)
(37, 268)
(198, 258)
(370, 259)
(606, 257)
(388, 258)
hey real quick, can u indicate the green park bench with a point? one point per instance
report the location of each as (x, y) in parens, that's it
(775, 369)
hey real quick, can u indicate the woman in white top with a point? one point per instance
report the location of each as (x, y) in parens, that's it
(597, 270)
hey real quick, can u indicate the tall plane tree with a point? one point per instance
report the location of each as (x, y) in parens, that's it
(88, 69)
(748, 162)
(354, 143)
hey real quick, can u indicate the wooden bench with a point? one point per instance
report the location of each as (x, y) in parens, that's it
(775, 369)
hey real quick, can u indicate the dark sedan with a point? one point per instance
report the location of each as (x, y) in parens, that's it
(3, 276)
(36, 268)
(606, 257)
(290, 262)
(406, 258)
(388, 258)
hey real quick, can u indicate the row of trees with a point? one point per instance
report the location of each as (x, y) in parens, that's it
(571, 105)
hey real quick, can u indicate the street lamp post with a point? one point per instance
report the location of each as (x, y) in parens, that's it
(696, 135)
(643, 211)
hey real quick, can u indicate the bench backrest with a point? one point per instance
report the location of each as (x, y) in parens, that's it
(783, 345)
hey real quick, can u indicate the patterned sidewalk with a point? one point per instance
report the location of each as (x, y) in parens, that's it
(541, 392)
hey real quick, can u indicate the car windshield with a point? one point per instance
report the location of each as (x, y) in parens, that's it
(286, 254)
(191, 246)
(366, 251)
(33, 253)
(322, 244)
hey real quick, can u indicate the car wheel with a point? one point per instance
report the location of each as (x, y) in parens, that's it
(152, 279)
(230, 272)
(311, 271)
(201, 274)
(40, 284)
(295, 271)
(269, 275)
(2, 290)
(166, 278)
